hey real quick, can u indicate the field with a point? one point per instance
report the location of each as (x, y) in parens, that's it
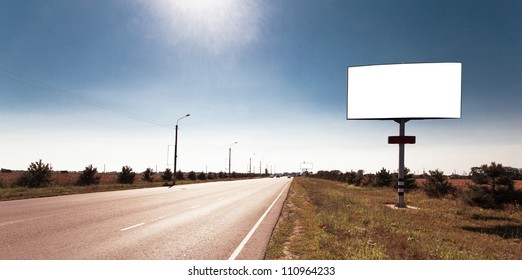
(463, 183)
(329, 220)
(65, 183)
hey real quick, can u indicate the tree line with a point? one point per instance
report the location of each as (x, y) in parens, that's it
(39, 175)
(492, 186)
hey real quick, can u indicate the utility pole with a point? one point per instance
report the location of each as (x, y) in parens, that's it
(176, 148)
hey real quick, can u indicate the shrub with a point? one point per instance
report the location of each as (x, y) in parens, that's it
(368, 180)
(88, 176)
(437, 185)
(211, 176)
(221, 175)
(38, 175)
(167, 175)
(480, 196)
(126, 176)
(358, 177)
(179, 175)
(202, 176)
(148, 175)
(494, 187)
(383, 178)
(192, 175)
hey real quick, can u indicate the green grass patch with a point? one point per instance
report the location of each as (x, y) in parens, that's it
(330, 220)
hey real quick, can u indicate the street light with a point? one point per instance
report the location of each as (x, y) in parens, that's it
(230, 157)
(250, 168)
(176, 148)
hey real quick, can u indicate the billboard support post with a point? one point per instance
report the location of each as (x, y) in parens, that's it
(400, 183)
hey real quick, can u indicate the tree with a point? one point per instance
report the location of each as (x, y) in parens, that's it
(126, 176)
(202, 176)
(192, 175)
(167, 175)
(88, 176)
(38, 175)
(148, 175)
(383, 178)
(497, 175)
(493, 187)
(179, 175)
(359, 176)
(437, 185)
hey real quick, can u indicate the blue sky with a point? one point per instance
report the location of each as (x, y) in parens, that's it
(103, 83)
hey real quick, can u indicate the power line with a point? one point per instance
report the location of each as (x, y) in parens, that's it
(6, 74)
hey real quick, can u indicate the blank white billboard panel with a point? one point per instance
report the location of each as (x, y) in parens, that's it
(404, 91)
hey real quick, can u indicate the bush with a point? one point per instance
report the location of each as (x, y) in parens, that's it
(192, 175)
(437, 185)
(126, 176)
(179, 175)
(148, 175)
(88, 176)
(383, 178)
(480, 196)
(38, 175)
(495, 186)
(202, 176)
(221, 175)
(368, 180)
(167, 175)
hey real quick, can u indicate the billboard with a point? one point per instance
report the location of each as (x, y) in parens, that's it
(404, 91)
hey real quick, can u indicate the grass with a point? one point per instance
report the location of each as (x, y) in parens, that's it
(330, 220)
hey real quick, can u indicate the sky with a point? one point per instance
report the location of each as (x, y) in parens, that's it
(104, 83)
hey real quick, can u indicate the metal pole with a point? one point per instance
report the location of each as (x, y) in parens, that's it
(175, 155)
(250, 166)
(176, 148)
(400, 183)
(230, 159)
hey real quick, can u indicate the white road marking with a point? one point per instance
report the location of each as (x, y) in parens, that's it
(127, 228)
(245, 240)
(157, 219)
(194, 207)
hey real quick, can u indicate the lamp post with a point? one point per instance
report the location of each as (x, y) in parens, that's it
(229, 158)
(176, 148)
(250, 167)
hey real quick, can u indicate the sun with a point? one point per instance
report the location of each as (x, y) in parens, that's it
(215, 25)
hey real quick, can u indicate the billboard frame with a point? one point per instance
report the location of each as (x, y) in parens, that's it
(399, 117)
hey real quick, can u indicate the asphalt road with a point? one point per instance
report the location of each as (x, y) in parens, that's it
(221, 220)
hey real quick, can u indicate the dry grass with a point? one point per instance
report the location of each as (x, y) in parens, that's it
(329, 220)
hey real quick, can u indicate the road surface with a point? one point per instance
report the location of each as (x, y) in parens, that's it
(220, 220)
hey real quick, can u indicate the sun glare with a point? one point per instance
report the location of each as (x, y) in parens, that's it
(215, 25)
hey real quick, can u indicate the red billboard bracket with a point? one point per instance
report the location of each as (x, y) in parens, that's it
(401, 139)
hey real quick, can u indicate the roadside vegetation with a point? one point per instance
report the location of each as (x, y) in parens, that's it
(41, 181)
(327, 219)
